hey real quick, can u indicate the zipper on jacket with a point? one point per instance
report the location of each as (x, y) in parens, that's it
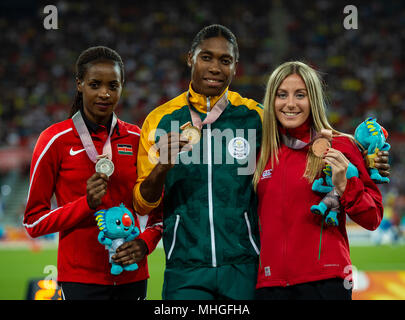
(174, 237)
(250, 234)
(210, 204)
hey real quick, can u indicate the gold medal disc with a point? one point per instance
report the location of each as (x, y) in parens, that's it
(192, 134)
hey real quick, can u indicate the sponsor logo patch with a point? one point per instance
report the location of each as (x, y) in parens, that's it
(266, 173)
(75, 152)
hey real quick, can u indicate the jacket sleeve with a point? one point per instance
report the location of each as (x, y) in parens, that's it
(39, 218)
(147, 159)
(154, 229)
(361, 200)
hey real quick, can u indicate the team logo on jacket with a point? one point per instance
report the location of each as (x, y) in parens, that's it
(239, 148)
(266, 173)
(125, 149)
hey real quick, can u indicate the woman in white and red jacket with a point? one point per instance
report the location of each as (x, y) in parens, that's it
(301, 257)
(61, 166)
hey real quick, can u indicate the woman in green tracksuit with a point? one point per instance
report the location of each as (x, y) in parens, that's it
(210, 220)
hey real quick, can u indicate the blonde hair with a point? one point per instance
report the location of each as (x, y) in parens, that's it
(270, 136)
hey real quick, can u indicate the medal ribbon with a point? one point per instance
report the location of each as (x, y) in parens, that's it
(212, 115)
(86, 138)
(294, 143)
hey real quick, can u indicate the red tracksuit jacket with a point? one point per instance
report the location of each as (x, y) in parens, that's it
(59, 167)
(291, 234)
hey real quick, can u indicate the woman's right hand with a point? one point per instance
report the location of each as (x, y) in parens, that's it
(96, 189)
(169, 146)
(339, 163)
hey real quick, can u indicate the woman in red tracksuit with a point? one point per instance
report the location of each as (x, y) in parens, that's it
(301, 257)
(62, 167)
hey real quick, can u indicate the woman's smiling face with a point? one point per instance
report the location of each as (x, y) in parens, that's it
(291, 104)
(213, 66)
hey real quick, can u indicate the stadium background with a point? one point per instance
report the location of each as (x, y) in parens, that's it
(363, 70)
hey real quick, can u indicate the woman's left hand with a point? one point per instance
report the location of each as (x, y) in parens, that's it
(380, 162)
(339, 164)
(130, 252)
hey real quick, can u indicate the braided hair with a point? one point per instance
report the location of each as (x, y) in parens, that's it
(85, 60)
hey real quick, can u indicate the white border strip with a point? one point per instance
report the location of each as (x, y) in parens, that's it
(40, 219)
(250, 234)
(210, 203)
(174, 237)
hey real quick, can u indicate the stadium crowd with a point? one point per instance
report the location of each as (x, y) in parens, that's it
(363, 68)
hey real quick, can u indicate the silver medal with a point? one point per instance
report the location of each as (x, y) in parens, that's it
(105, 166)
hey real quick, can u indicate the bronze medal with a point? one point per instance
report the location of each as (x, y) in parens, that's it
(319, 146)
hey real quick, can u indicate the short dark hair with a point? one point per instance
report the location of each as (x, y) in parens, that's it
(86, 58)
(215, 30)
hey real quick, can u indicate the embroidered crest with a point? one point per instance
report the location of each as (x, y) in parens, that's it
(239, 148)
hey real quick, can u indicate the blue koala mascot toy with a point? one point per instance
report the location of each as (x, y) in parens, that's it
(331, 200)
(372, 137)
(117, 225)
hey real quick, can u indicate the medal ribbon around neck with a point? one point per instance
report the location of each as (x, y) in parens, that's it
(326, 137)
(294, 143)
(212, 115)
(88, 142)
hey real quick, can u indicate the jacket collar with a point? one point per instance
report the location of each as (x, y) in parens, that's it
(303, 132)
(200, 101)
(95, 128)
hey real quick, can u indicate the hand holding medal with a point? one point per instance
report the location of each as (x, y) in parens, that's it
(169, 146)
(322, 148)
(97, 183)
(321, 143)
(96, 189)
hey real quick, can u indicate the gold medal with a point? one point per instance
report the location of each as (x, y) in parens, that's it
(191, 133)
